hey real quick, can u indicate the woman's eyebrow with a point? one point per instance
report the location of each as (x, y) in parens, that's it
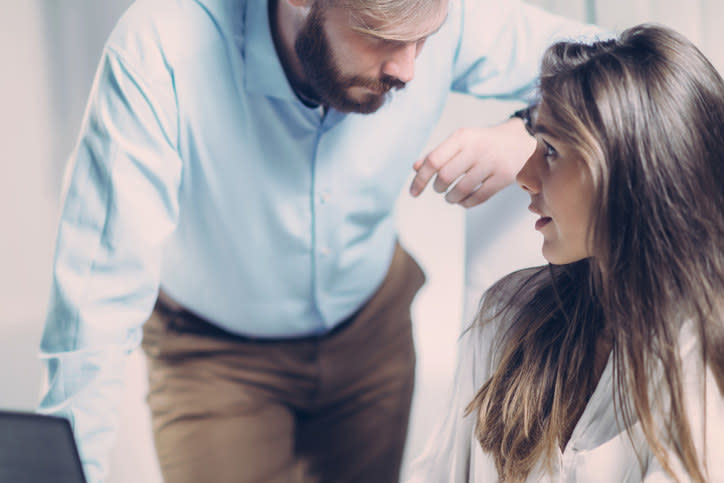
(539, 128)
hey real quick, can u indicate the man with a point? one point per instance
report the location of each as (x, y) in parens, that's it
(244, 157)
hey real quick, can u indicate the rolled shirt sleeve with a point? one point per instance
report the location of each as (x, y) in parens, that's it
(120, 203)
(502, 43)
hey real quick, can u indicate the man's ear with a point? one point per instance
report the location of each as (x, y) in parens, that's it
(300, 3)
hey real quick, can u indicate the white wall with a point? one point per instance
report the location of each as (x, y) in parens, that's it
(26, 206)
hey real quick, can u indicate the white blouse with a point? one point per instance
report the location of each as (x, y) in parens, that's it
(599, 450)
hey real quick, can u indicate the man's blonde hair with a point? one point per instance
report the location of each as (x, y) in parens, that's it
(380, 18)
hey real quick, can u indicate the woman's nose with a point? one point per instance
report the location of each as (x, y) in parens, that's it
(527, 177)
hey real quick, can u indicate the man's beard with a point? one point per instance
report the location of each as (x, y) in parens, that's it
(324, 78)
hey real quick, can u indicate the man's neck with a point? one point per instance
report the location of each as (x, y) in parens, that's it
(285, 21)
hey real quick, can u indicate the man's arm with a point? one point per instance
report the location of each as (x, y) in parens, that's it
(499, 54)
(120, 203)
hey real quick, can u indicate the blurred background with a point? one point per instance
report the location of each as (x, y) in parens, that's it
(50, 49)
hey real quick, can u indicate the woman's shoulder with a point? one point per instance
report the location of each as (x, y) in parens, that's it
(508, 296)
(496, 313)
(520, 286)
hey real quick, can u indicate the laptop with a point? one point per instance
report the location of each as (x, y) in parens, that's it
(35, 448)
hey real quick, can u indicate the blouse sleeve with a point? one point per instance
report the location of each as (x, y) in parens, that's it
(120, 204)
(705, 410)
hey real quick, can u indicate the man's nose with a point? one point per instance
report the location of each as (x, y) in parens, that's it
(401, 64)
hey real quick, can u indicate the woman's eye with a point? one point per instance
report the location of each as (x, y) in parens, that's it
(550, 152)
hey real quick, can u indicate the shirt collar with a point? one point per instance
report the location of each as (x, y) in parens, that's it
(264, 73)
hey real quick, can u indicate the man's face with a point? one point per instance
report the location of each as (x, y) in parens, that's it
(353, 71)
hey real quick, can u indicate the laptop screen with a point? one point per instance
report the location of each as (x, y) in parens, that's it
(35, 448)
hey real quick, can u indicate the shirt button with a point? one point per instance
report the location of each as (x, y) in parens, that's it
(324, 197)
(325, 251)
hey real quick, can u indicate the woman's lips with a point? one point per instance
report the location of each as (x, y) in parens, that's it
(542, 221)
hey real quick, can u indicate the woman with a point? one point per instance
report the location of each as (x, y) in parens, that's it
(608, 364)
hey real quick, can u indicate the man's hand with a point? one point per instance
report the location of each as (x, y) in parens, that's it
(482, 160)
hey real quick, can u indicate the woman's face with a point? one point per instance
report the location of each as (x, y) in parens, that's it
(561, 191)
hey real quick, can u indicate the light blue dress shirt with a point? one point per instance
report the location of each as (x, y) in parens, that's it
(199, 170)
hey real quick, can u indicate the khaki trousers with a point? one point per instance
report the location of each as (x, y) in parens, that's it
(332, 408)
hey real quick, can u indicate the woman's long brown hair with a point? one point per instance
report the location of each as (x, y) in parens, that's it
(645, 112)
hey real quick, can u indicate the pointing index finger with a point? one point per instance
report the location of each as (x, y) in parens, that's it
(419, 182)
(431, 164)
